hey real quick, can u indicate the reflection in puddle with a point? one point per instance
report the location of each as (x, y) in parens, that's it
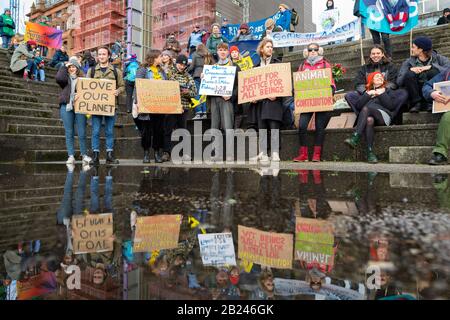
(202, 234)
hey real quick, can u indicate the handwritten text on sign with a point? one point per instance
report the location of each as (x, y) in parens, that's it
(271, 81)
(158, 96)
(96, 97)
(93, 233)
(444, 88)
(217, 249)
(313, 91)
(157, 233)
(218, 81)
(265, 248)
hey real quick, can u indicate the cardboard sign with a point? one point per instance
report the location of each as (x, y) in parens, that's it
(443, 87)
(314, 241)
(271, 81)
(217, 249)
(157, 233)
(313, 91)
(265, 248)
(96, 97)
(93, 233)
(158, 96)
(344, 121)
(218, 81)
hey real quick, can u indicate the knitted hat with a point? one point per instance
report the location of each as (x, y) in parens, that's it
(244, 26)
(182, 59)
(7, 9)
(234, 48)
(269, 23)
(73, 61)
(446, 10)
(424, 43)
(166, 53)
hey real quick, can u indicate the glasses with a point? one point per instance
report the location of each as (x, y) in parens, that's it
(311, 50)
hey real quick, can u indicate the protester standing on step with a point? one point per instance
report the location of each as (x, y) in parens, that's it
(378, 108)
(314, 61)
(215, 39)
(131, 68)
(440, 152)
(150, 125)
(270, 28)
(173, 46)
(7, 28)
(23, 59)
(67, 78)
(194, 40)
(104, 70)
(423, 65)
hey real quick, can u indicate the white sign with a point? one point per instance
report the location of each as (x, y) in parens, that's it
(218, 81)
(329, 20)
(217, 249)
(289, 39)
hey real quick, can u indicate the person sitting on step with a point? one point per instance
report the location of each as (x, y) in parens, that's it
(22, 59)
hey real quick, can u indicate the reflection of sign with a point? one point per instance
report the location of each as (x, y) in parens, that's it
(314, 242)
(43, 35)
(96, 97)
(157, 233)
(341, 33)
(272, 81)
(443, 87)
(217, 249)
(313, 91)
(329, 19)
(93, 233)
(265, 248)
(218, 81)
(158, 96)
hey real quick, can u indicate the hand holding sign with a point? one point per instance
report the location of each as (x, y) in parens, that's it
(439, 97)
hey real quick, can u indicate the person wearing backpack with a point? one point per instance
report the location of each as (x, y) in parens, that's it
(131, 68)
(105, 70)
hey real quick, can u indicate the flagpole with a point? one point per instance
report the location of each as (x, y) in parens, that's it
(363, 62)
(411, 39)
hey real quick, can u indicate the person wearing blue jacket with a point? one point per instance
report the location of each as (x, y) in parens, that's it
(7, 27)
(59, 58)
(131, 67)
(440, 152)
(284, 17)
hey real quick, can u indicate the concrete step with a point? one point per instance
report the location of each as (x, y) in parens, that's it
(17, 120)
(120, 130)
(410, 155)
(18, 97)
(421, 118)
(26, 112)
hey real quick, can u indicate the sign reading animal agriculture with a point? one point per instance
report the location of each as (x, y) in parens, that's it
(444, 88)
(157, 233)
(218, 81)
(43, 35)
(266, 248)
(313, 91)
(96, 97)
(272, 81)
(158, 96)
(217, 249)
(93, 233)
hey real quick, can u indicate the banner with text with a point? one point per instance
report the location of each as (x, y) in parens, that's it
(313, 91)
(218, 81)
(95, 97)
(43, 35)
(157, 233)
(272, 81)
(158, 96)
(265, 248)
(217, 249)
(444, 87)
(93, 233)
(289, 39)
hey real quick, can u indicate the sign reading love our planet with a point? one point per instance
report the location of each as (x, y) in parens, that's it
(313, 91)
(158, 96)
(95, 97)
(92, 233)
(157, 233)
(218, 81)
(444, 88)
(272, 81)
(265, 248)
(217, 249)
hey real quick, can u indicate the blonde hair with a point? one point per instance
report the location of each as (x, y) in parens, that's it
(262, 44)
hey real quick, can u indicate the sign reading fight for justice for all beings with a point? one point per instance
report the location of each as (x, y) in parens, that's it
(217, 249)
(158, 96)
(218, 81)
(272, 81)
(313, 91)
(95, 97)
(443, 87)
(157, 233)
(266, 248)
(93, 233)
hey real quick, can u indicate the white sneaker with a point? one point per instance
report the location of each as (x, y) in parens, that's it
(265, 158)
(71, 160)
(70, 167)
(197, 117)
(276, 157)
(86, 159)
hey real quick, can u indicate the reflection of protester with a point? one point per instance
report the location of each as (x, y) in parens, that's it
(68, 206)
(107, 197)
(314, 61)
(222, 210)
(265, 289)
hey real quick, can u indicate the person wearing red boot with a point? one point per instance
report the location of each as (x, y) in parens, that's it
(314, 60)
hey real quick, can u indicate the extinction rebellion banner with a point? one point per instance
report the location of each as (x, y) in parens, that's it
(289, 39)
(43, 35)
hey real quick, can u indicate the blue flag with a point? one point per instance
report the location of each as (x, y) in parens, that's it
(389, 16)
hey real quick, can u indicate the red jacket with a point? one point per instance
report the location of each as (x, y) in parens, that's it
(324, 64)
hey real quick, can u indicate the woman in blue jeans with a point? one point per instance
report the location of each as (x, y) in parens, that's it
(67, 78)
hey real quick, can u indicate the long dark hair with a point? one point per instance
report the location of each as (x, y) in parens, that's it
(385, 59)
(150, 57)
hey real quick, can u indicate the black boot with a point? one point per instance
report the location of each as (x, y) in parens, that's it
(158, 158)
(95, 159)
(166, 157)
(146, 156)
(110, 158)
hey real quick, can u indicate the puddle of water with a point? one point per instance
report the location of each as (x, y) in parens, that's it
(332, 235)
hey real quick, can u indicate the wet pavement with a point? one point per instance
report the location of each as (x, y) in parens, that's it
(314, 234)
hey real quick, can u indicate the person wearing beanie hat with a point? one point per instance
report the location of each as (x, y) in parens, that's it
(378, 108)
(22, 60)
(167, 62)
(244, 34)
(67, 78)
(445, 17)
(423, 65)
(7, 28)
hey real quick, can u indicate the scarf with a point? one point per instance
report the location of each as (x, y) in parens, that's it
(314, 60)
(156, 74)
(73, 86)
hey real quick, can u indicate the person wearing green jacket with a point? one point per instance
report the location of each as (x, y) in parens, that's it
(215, 39)
(7, 27)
